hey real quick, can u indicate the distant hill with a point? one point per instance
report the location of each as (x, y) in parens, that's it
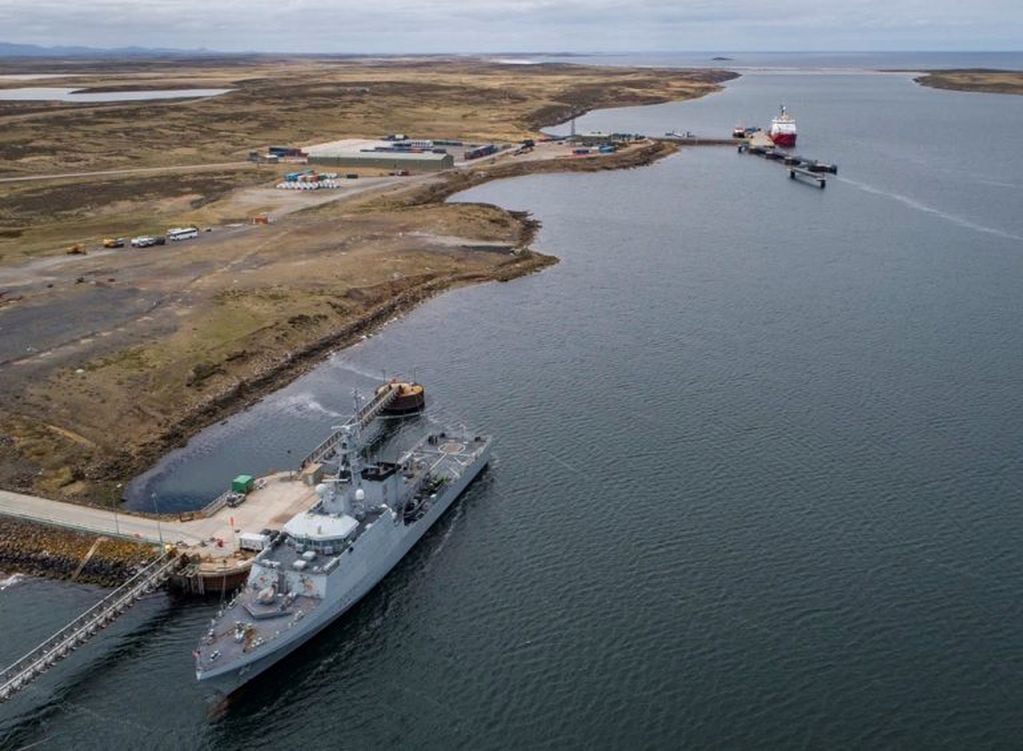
(7, 49)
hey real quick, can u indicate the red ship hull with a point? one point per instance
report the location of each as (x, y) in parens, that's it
(785, 140)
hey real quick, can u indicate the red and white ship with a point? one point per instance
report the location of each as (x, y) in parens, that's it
(783, 129)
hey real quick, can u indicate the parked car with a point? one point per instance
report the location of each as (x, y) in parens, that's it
(111, 242)
(144, 241)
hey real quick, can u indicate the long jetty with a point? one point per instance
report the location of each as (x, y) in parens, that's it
(694, 140)
(23, 671)
(799, 166)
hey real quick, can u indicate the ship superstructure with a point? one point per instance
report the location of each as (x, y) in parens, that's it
(364, 518)
(783, 129)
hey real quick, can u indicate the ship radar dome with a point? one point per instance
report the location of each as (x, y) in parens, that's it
(360, 495)
(321, 490)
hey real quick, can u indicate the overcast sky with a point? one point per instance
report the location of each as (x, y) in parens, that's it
(397, 26)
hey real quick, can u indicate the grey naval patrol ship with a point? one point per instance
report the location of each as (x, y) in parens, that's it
(364, 517)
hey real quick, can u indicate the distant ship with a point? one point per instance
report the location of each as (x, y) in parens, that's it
(363, 518)
(783, 129)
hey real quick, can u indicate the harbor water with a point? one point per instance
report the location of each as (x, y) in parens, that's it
(757, 478)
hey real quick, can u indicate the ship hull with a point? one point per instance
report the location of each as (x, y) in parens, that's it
(784, 140)
(229, 680)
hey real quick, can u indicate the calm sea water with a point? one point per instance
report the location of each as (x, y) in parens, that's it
(757, 479)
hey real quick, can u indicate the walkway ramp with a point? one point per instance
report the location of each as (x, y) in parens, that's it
(366, 414)
(18, 675)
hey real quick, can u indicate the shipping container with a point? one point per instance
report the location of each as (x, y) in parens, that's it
(242, 484)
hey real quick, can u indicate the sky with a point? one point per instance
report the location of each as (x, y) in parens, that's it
(469, 26)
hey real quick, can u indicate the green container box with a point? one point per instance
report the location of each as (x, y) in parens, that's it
(242, 484)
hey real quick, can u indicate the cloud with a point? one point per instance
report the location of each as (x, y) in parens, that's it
(506, 25)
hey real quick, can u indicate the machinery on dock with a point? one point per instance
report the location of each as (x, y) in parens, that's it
(365, 518)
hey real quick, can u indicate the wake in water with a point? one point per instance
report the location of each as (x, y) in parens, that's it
(914, 204)
(375, 377)
(9, 581)
(307, 403)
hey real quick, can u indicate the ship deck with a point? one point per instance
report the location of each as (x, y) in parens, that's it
(449, 455)
(265, 624)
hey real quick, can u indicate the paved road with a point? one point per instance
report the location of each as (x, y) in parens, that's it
(96, 520)
(133, 171)
(276, 501)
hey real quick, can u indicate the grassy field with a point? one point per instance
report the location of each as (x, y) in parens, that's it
(110, 359)
(988, 81)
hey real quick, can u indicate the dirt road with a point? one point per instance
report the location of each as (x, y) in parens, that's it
(133, 171)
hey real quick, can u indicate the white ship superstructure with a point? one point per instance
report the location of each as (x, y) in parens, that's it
(365, 518)
(783, 129)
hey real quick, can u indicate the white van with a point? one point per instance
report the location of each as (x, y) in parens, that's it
(182, 233)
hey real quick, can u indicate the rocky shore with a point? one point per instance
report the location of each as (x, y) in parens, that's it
(56, 553)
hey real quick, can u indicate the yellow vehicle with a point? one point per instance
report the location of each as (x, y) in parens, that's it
(77, 250)
(110, 242)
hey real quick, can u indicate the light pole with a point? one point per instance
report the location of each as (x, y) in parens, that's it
(159, 529)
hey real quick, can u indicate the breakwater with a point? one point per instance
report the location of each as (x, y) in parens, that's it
(41, 550)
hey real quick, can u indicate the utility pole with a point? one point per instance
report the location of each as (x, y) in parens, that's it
(159, 529)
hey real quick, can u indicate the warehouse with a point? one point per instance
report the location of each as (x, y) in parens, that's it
(354, 153)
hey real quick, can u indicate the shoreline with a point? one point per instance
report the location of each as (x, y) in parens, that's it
(196, 363)
(99, 472)
(28, 551)
(528, 261)
(95, 474)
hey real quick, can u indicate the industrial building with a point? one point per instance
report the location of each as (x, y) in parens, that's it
(596, 138)
(382, 155)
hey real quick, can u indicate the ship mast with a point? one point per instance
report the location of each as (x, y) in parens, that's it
(353, 442)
